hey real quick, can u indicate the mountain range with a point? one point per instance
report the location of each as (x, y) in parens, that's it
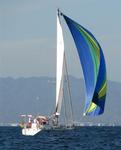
(36, 95)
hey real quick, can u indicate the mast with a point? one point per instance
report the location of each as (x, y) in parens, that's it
(59, 69)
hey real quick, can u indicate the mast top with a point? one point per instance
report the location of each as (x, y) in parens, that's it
(59, 12)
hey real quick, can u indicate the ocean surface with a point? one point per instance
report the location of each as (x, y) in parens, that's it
(83, 138)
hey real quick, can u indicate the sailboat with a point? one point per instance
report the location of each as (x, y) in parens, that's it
(93, 66)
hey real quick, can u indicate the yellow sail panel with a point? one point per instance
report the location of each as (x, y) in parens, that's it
(92, 107)
(102, 91)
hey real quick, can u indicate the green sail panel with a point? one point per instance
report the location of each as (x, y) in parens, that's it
(93, 66)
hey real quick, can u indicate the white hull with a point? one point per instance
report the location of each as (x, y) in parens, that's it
(31, 131)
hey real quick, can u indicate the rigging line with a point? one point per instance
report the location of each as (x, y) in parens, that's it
(65, 109)
(69, 90)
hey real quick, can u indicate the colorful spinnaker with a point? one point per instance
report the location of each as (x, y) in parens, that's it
(93, 65)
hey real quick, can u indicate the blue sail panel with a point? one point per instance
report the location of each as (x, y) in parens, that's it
(93, 66)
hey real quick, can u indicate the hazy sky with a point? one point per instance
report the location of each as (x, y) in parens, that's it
(28, 35)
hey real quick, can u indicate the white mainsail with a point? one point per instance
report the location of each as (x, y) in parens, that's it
(60, 67)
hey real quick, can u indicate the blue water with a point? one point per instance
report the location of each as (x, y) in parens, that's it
(83, 138)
